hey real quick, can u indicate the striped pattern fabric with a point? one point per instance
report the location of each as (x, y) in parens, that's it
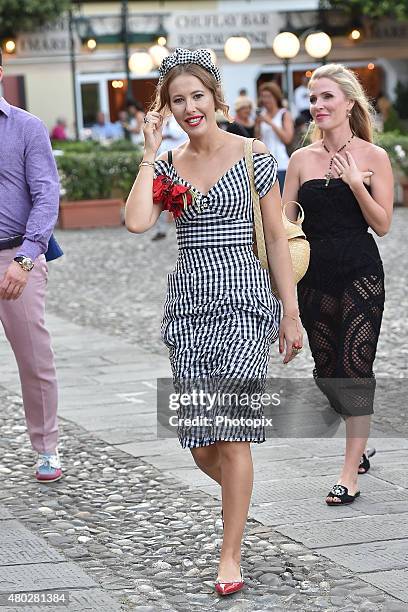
(220, 315)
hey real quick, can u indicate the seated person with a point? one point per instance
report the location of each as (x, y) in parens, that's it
(102, 129)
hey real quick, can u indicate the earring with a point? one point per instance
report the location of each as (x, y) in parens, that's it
(349, 114)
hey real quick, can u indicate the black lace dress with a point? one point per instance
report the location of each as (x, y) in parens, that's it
(341, 297)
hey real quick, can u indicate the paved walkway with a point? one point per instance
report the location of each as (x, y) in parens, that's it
(108, 387)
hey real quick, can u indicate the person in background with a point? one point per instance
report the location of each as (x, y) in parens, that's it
(29, 202)
(135, 122)
(121, 125)
(58, 132)
(301, 100)
(173, 137)
(243, 118)
(243, 92)
(274, 126)
(102, 129)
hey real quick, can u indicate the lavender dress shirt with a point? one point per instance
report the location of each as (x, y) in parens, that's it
(29, 182)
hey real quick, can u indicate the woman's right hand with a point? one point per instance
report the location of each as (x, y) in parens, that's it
(153, 131)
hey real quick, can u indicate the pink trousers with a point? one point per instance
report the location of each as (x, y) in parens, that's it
(23, 322)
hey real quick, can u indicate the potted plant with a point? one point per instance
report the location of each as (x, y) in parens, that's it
(94, 187)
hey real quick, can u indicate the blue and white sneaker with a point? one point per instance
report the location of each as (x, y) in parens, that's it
(48, 467)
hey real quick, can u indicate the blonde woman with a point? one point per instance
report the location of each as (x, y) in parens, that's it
(345, 185)
(243, 109)
(220, 315)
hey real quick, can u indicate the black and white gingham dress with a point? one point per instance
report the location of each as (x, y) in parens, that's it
(220, 315)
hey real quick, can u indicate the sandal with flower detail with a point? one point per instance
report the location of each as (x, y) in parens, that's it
(364, 463)
(341, 492)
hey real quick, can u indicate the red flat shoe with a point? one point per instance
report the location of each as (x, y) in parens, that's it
(227, 588)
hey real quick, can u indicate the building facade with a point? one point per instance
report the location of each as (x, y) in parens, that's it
(52, 77)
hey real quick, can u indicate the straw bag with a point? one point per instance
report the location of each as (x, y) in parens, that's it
(299, 247)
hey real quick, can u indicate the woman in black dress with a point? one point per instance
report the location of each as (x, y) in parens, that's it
(345, 185)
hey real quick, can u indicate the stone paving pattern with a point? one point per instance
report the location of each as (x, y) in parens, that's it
(125, 535)
(133, 525)
(116, 282)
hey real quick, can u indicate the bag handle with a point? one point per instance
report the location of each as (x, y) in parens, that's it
(300, 219)
(258, 225)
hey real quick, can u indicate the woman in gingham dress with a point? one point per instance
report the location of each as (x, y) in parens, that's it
(220, 315)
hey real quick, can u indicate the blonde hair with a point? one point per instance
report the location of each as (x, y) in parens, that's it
(162, 99)
(242, 102)
(362, 113)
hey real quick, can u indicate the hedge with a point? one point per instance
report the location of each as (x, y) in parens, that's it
(389, 141)
(92, 146)
(104, 173)
(99, 175)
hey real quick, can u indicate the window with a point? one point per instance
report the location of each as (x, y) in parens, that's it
(90, 102)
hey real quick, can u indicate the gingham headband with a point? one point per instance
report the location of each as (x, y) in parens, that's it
(202, 57)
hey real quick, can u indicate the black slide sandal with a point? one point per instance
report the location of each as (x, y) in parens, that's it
(364, 463)
(341, 492)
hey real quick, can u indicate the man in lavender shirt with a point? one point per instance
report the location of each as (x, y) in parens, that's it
(29, 199)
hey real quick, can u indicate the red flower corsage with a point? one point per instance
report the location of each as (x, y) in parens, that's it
(173, 196)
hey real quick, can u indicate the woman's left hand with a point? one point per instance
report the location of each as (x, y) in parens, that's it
(290, 338)
(348, 172)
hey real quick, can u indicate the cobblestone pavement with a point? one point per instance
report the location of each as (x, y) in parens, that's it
(147, 540)
(116, 281)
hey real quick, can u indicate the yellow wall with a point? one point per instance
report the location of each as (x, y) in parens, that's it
(48, 90)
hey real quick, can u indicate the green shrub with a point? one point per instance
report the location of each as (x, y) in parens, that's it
(401, 102)
(396, 145)
(75, 146)
(99, 175)
(89, 146)
(122, 145)
(394, 123)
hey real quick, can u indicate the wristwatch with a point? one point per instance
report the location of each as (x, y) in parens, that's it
(25, 262)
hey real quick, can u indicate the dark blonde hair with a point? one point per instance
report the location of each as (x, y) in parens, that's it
(162, 99)
(274, 89)
(362, 114)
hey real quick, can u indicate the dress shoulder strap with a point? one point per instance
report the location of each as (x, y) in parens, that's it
(170, 157)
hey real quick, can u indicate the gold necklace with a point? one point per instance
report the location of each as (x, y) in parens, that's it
(329, 174)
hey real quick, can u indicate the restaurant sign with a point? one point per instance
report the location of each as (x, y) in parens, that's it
(195, 30)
